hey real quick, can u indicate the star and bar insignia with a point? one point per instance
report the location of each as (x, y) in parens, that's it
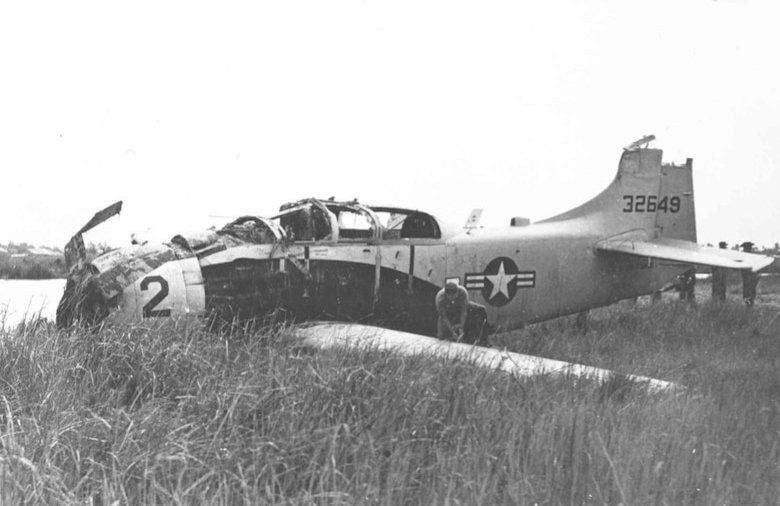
(500, 281)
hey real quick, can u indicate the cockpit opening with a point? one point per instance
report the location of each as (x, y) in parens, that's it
(305, 221)
(354, 221)
(407, 224)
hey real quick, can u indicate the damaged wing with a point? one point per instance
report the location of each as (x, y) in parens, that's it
(348, 335)
(74, 250)
(685, 252)
(102, 216)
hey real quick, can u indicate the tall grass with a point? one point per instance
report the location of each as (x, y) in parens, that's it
(181, 416)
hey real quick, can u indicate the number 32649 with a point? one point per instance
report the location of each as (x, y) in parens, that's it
(650, 204)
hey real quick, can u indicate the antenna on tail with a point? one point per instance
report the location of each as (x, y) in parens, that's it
(638, 144)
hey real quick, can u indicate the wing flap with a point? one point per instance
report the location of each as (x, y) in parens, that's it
(686, 252)
(355, 336)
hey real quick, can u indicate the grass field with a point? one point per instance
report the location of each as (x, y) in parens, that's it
(180, 416)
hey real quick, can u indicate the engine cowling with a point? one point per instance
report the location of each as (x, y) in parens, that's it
(134, 283)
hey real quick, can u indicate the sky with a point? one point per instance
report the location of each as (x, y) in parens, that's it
(190, 110)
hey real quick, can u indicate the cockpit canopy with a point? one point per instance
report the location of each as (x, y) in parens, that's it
(407, 224)
(328, 220)
(314, 220)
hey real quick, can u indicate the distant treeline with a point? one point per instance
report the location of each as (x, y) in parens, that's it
(25, 261)
(761, 250)
(32, 267)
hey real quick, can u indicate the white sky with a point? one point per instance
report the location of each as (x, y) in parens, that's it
(190, 109)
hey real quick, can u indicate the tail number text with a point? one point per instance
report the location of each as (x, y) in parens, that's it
(650, 204)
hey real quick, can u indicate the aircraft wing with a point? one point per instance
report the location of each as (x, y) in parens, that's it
(354, 336)
(686, 252)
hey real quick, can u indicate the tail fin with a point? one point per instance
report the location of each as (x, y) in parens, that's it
(644, 195)
(677, 182)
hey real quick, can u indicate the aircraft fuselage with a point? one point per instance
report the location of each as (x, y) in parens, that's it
(521, 275)
(322, 259)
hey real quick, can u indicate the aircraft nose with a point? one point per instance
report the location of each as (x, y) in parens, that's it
(133, 284)
(83, 301)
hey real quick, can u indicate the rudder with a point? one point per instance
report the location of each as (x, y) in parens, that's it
(676, 213)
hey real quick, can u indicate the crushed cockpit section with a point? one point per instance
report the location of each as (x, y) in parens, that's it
(256, 266)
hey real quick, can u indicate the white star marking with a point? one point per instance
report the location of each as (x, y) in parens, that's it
(500, 281)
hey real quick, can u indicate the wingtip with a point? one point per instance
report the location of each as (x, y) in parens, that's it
(766, 262)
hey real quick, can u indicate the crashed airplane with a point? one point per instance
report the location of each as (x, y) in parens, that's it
(328, 260)
(322, 259)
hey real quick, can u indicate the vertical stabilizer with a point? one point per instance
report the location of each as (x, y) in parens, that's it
(645, 195)
(623, 205)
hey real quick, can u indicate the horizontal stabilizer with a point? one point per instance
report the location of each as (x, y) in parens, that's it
(354, 336)
(686, 252)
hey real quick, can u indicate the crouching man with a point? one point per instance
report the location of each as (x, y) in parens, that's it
(452, 303)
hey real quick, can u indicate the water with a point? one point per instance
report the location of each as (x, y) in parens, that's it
(23, 299)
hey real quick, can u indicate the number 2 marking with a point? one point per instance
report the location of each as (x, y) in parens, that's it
(639, 204)
(148, 310)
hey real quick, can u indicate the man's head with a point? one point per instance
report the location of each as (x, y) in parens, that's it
(451, 289)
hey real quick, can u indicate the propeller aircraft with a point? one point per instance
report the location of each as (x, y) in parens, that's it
(342, 260)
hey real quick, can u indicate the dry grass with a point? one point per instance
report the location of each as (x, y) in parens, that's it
(180, 416)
